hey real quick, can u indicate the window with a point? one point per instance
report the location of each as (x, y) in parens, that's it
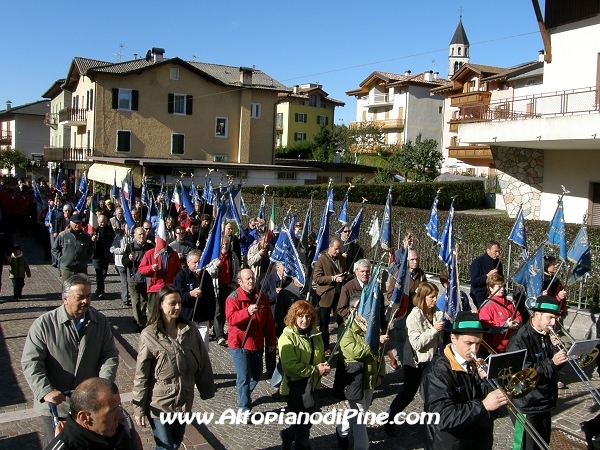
(180, 104)
(440, 109)
(300, 117)
(125, 99)
(220, 157)
(312, 100)
(177, 143)
(221, 127)
(174, 73)
(255, 111)
(237, 173)
(279, 120)
(76, 102)
(322, 120)
(299, 136)
(123, 141)
(459, 50)
(286, 175)
(91, 103)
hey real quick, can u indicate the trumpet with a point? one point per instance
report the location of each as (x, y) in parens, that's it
(512, 408)
(582, 360)
(577, 368)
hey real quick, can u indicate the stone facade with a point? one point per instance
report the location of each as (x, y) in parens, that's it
(520, 174)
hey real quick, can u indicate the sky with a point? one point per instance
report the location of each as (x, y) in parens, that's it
(334, 43)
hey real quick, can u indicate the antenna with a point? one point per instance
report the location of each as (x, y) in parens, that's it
(194, 58)
(120, 54)
(433, 65)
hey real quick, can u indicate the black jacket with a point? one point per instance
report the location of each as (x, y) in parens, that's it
(133, 276)
(185, 281)
(479, 270)
(75, 437)
(447, 389)
(539, 356)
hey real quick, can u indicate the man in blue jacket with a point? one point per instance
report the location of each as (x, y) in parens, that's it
(482, 267)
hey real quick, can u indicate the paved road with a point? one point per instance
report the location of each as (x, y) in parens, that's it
(20, 429)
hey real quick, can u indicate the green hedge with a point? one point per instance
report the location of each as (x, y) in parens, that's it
(469, 194)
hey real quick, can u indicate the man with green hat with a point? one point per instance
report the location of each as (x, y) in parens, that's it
(451, 389)
(547, 360)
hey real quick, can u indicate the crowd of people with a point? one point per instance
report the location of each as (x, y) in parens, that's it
(266, 319)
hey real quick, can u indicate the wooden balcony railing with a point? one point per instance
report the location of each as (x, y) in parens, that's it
(5, 137)
(67, 154)
(470, 151)
(470, 98)
(390, 123)
(73, 116)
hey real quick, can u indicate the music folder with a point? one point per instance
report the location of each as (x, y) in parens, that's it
(583, 347)
(502, 364)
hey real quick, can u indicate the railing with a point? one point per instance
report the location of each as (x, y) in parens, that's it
(67, 154)
(552, 104)
(469, 151)
(5, 137)
(470, 98)
(378, 99)
(72, 115)
(390, 123)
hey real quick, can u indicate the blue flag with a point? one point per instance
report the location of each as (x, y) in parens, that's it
(386, 224)
(432, 226)
(83, 184)
(401, 288)
(194, 196)
(243, 210)
(343, 217)
(127, 213)
(207, 191)
(285, 251)
(131, 190)
(323, 235)
(292, 225)
(213, 243)
(36, 193)
(557, 233)
(307, 227)
(80, 206)
(232, 212)
(369, 309)
(447, 239)
(261, 208)
(579, 255)
(144, 194)
(531, 274)
(185, 199)
(355, 226)
(452, 303)
(517, 235)
(152, 211)
(114, 191)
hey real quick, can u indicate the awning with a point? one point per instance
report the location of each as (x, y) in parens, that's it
(105, 173)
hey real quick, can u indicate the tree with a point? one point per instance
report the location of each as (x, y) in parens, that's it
(422, 157)
(367, 137)
(324, 144)
(11, 158)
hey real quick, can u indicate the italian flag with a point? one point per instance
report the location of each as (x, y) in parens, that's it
(176, 199)
(161, 234)
(93, 221)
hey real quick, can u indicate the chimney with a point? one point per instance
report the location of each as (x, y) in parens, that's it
(436, 75)
(541, 55)
(135, 56)
(407, 73)
(296, 89)
(246, 75)
(158, 54)
(428, 76)
(8, 104)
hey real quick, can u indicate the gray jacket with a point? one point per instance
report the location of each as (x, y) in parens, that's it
(73, 250)
(55, 359)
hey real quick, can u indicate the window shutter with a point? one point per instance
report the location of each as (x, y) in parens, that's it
(91, 99)
(326, 120)
(123, 141)
(318, 120)
(115, 98)
(171, 103)
(296, 117)
(180, 145)
(134, 100)
(189, 100)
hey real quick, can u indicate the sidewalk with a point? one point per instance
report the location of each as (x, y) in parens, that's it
(21, 429)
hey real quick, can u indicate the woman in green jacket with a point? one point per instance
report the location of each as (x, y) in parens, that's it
(303, 361)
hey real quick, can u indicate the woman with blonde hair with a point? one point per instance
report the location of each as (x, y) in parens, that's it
(302, 356)
(425, 325)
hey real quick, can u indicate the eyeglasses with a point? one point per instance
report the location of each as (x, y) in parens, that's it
(178, 232)
(147, 229)
(345, 231)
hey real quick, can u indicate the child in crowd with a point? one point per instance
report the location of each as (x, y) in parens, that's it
(19, 267)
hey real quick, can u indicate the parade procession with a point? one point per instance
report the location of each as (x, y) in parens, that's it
(322, 314)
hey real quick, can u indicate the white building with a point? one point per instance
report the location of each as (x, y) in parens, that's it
(401, 105)
(552, 138)
(22, 127)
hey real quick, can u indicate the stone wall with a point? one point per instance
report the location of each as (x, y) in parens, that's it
(520, 174)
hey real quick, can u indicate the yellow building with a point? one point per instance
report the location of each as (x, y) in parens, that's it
(301, 112)
(161, 113)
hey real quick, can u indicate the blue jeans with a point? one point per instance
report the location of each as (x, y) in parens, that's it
(248, 367)
(167, 437)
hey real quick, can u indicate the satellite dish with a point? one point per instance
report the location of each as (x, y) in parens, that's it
(148, 55)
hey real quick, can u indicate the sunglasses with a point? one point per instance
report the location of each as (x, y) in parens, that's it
(147, 229)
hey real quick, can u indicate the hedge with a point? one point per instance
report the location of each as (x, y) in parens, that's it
(469, 194)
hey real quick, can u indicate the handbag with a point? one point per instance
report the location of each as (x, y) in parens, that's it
(348, 381)
(302, 388)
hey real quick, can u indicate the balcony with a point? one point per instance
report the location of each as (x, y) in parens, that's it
(5, 137)
(72, 117)
(67, 154)
(377, 100)
(390, 123)
(471, 98)
(467, 152)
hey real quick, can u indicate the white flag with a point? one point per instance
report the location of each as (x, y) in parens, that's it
(374, 232)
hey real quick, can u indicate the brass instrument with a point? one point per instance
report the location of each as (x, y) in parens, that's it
(521, 383)
(582, 360)
(577, 367)
(512, 408)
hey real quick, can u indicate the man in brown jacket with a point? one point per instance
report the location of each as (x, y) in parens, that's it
(329, 275)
